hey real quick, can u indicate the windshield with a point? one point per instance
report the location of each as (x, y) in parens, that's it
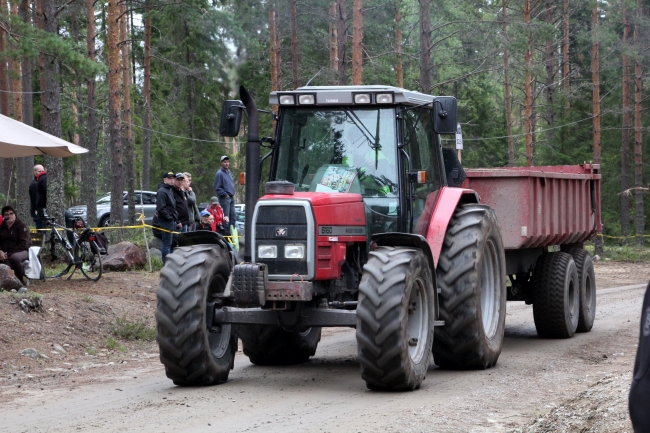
(338, 150)
(105, 199)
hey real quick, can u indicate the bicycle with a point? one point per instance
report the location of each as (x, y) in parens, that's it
(58, 256)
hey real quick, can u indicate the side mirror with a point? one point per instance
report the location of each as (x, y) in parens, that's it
(445, 113)
(231, 118)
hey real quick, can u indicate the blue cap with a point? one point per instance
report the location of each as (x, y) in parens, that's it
(204, 213)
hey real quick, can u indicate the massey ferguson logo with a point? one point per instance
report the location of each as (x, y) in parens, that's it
(281, 232)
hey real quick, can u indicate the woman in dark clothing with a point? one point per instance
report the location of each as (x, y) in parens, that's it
(206, 221)
(15, 241)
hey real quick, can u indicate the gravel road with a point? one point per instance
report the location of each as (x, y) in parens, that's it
(579, 384)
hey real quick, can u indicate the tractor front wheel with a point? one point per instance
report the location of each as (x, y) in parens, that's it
(193, 351)
(395, 317)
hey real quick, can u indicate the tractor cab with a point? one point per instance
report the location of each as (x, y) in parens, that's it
(376, 141)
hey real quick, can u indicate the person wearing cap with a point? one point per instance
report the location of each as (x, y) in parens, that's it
(225, 189)
(217, 213)
(207, 221)
(182, 208)
(166, 212)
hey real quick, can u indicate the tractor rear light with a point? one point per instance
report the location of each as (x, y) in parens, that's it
(267, 251)
(287, 100)
(362, 98)
(384, 98)
(242, 178)
(306, 99)
(294, 251)
(418, 177)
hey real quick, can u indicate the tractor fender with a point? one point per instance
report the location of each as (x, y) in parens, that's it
(446, 205)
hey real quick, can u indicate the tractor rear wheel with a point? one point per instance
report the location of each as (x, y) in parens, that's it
(587, 279)
(471, 275)
(272, 345)
(395, 316)
(556, 298)
(193, 351)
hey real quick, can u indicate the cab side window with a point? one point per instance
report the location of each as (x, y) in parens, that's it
(422, 149)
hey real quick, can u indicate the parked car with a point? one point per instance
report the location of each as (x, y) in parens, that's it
(145, 203)
(239, 225)
(240, 208)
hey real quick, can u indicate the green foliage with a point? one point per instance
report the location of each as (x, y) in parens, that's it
(113, 344)
(133, 330)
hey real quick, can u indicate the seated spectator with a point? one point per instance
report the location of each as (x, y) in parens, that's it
(220, 221)
(207, 221)
(15, 241)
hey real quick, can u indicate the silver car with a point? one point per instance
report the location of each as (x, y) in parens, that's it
(145, 203)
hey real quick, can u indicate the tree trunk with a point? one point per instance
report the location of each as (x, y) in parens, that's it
(128, 131)
(275, 52)
(16, 84)
(399, 67)
(357, 42)
(294, 44)
(24, 166)
(4, 77)
(52, 123)
(595, 78)
(506, 84)
(41, 60)
(625, 140)
(343, 39)
(638, 143)
(549, 87)
(114, 93)
(89, 159)
(426, 68)
(333, 32)
(566, 66)
(528, 85)
(146, 97)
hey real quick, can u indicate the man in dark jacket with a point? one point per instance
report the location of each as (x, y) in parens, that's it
(182, 208)
(225, 189)
(167, 216)
(38, 196)
(15, 241)
(640, 390)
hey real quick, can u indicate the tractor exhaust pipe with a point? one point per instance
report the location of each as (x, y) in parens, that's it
(252, 187)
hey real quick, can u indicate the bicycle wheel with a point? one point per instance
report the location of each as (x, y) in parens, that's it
(88, 259)
(55, 260)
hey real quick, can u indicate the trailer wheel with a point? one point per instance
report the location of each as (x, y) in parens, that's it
(587, 279)
(192, 351)
(395, 316)
(471, 276)
(556, 295)
(272, 345)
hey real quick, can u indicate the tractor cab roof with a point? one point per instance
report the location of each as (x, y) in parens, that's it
(349, 95)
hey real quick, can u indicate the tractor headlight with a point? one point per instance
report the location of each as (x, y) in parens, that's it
(267, 251)
(384, 98)
(306, 99)
(287, 100)
(362, 98)
(294, 251)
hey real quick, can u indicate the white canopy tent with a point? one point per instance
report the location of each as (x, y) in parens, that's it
(18, 140)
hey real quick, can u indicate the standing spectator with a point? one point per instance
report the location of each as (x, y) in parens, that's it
(38, 196)
(207, 221)
(166, 210)
(15, 241)
(195, 215)
(220, 222)
(225, 189)
(181, 202)
(639, 400)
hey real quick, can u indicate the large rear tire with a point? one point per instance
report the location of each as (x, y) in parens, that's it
(587, 279)
(272, 345)
(193, 351)
(556, 298)
(395, 317)
(472, 278)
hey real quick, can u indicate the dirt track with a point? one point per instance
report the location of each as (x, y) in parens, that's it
(578, 384)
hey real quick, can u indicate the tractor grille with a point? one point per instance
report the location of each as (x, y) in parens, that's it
(282, 225)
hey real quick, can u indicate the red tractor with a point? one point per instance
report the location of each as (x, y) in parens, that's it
(367, 221)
